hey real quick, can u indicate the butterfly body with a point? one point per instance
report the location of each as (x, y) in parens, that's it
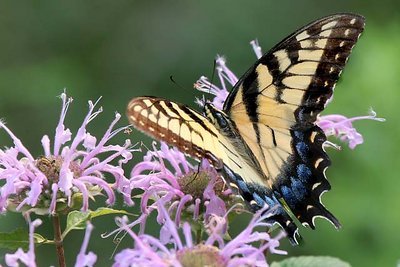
(265, 140)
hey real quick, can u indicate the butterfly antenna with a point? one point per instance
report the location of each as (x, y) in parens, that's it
(211, 82)
(176, 83)
(212, 75)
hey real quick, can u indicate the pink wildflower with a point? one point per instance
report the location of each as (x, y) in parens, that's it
(197, 190)
(213, 251)
(71, 169)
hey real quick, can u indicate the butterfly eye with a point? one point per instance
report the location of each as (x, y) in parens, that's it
(216, 116)
(221, 120)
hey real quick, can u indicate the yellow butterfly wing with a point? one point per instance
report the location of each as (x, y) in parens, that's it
(275, 104)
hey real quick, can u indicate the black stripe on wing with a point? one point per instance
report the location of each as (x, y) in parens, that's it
(327, 42)
(335, 52)
(175, 124)
(298, 74)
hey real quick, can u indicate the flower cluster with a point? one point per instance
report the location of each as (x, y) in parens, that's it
(69, 173)
(166, 176)
(213, 251)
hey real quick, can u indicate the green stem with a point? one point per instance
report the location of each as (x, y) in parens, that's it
(58, 241)
(198, 236)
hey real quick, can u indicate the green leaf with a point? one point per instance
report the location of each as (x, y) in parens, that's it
(311, 261)
(39, 239)
(106, 211)
(18, 238)
(76, 220)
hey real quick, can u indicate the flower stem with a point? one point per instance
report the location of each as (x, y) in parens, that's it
(58, 241)
(198, 236)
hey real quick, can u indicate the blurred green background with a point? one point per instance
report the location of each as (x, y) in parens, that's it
(122, 49)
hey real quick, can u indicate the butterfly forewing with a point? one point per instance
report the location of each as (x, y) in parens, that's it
(176, 125)
(275, 104)
(298, 74)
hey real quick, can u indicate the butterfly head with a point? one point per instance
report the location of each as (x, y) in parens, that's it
(217, 117)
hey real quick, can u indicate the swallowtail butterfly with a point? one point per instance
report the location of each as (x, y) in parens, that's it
(265, 140)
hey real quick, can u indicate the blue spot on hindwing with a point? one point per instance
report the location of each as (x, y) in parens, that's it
(303, 172)
(288, 195)
(299, 135)
(298, 188)
(302, 150)
(270, 202)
